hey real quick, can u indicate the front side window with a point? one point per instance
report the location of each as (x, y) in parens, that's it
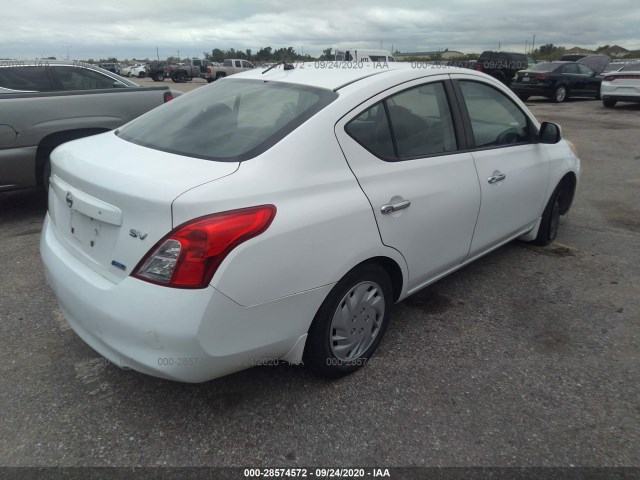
(230, 121)
(238, 64)
(29, 79)
(74, 78)
(495, 119)
(413, 123)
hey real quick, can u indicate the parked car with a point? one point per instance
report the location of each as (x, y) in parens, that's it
(138, 70)
(364, 55)
(503, 65)
(43, 105)
(621, 86)
(280, 215)
(157, 70)
(194, 68)
(111, 67)
(229, 67)
(557, 81)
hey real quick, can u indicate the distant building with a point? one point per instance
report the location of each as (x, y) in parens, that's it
(579, 51)
(617, 51)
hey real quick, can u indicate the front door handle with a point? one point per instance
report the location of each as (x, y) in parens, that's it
(496, 177)
(394, 207)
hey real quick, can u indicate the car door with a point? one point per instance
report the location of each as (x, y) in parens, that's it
(576, 81)
(512, 168)
(592, 82)
(403, 148)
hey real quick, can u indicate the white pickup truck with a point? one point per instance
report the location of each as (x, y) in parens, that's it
(45, 104)
(229, 67)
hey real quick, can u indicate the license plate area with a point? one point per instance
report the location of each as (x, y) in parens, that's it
(86, 230)
(525, 79)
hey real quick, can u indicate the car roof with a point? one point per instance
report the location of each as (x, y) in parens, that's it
(336, 75)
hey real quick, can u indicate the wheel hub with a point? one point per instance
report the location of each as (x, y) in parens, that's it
(356, 321)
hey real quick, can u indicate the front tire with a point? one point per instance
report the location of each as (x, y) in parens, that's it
(608, 103)
(551, 216)
(351, 322)
(561, 94)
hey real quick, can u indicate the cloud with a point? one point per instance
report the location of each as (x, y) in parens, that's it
(34, 28)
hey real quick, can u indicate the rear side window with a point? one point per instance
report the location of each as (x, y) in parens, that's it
(74, 78)
(495, 120)
(34, 79)
(232, 120)
(411, 124)
(571, 68)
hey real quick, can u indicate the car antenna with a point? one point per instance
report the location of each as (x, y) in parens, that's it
(287, 66)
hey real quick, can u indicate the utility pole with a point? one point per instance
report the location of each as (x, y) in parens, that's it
(526, 43)
(178, 56)
(533, 43)
(67, 47)
(157, 54)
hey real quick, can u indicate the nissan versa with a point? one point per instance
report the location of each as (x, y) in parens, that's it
(280, 214)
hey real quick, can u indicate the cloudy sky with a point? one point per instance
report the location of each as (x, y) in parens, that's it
(134, 28)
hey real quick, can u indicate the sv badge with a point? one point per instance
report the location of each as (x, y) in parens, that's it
(137, 234)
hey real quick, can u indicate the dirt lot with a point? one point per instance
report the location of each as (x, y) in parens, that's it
(528, 357)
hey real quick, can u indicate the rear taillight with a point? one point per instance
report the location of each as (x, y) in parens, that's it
(609, 78)
(190, 255)
(541, 76)
(208, 69)
(168, 96)
(479, 68)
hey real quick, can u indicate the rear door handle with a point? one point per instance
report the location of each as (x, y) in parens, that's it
(394, 207)
(496, 177)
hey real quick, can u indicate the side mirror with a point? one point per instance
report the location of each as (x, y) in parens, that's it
(550, 133)
(119, 85)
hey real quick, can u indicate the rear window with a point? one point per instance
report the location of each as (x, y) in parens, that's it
(633, 67)
(545, 67)
(229, 121)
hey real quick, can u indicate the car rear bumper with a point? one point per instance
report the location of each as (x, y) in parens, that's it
(177, 334)
(620, 93)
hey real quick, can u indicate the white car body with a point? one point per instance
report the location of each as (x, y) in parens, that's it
(622, 85)
(111, 200)
(364, 55)
(134, 70)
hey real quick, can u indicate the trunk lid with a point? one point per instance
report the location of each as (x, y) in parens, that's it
(110, 200)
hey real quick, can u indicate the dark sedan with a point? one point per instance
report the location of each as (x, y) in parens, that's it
(557, 81)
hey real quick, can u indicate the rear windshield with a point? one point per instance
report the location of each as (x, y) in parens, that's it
(229, 121)
(634, 67)
(545, 67)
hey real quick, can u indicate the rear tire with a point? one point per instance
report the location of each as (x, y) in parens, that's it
(608, 103)
(351, 322)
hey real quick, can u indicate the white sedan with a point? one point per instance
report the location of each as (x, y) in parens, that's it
(280, 214)
(137, 70)
(621, 86)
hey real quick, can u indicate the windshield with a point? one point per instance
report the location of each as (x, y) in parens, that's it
(229, 121)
